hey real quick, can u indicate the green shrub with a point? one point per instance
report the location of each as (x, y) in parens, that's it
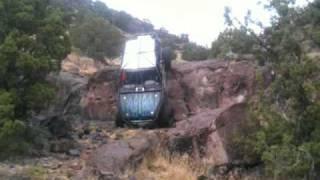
(283, 129)
(97, 38)
(33, 41)
(236, 41)
(13, 140)
(193, 52)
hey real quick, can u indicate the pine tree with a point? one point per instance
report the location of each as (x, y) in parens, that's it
(33, 41)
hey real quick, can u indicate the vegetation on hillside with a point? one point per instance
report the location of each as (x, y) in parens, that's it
(77, 10)
(194, 52)
(190, 50)
(33, 41)
(283, 129)
(96, 30)
(90, 28)
(97, 38)
(233, 41)
(129, 24)
(99, 31)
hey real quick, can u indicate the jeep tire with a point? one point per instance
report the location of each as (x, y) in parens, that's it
(166, 56)
(165, 118)
(119, 122)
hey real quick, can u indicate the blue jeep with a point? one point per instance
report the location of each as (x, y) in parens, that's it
(142, 100)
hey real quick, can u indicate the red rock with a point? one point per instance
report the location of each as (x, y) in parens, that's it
(99, 102)
(209, 101)
(114, 157)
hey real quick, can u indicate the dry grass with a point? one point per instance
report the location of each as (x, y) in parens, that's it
(122, 134)
(162, 166)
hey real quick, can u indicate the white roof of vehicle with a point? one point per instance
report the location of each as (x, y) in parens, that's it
(139, 53)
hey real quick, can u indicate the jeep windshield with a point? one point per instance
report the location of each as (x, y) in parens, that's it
(145, 80)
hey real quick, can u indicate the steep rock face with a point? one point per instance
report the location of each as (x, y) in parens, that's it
(71, 88)
(66, 107)
(192, 88)
(200, 86)
(209, 100)
(99, 101)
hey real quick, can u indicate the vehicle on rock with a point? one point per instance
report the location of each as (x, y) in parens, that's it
(142, 93)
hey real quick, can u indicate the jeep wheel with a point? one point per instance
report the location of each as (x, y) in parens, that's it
(165, 118)
(167, 56)
(119, 122)
(167, 64)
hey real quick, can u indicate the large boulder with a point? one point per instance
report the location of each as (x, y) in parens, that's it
(209, 134)
(200, 86)
(71, 88)
(66, 107)
(112, 159)
(209, 100)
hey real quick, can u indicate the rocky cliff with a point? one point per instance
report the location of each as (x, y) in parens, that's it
(209, 100)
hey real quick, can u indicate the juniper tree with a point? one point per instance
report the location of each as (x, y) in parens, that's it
(33, 41)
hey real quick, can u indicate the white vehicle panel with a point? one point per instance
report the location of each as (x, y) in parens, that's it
(139, 53)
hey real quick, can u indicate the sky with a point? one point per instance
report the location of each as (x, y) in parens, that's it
(203, 20)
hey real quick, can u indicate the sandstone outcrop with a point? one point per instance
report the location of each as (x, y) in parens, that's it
(99, 101)
(209, 100)
(80, 65)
